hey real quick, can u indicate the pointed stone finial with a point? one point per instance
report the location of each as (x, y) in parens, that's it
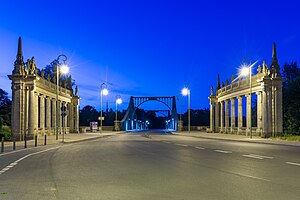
(219, 82)
(19, 63)
(275, 68)
(20, 52)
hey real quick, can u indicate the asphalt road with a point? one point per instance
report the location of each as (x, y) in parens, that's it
(152, 165)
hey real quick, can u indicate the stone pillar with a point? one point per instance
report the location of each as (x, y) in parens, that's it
(32, 113)
(240, 114)
(217, 117)
(42, 113)
(71, 117)
(59, 118)
(48, 115)
(259, 112)
(36, 113)
(248, 114)
(222, 116)
(232, 115)
(227, 116)
(278, 109)
(54, 115)
(212, 116)
(266, 112)
(66, 117)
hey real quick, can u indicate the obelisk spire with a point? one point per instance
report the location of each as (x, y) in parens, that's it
(275, 68)
(19, 63)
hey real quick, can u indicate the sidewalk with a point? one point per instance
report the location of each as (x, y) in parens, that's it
(51, 139)
(240, 138)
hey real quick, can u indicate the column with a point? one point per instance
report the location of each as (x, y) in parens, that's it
(32, 113)
(226, 116)
(54, 117)
(259, 112)
(222, 116)
(48, 115)
(232, 115)
(240, 114)
(71, 117)
(36, 113)
(217, 117)
(42, 113)
(248, 114)
(59, 117)
(212, 117)
(278, 109)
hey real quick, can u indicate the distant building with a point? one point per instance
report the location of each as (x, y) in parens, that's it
(34, 105)
(228, 98)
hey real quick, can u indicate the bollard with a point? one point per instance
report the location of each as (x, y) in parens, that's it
(25, 141)
(2, 144)
(14, 143)
(45, 141)
(35, 140)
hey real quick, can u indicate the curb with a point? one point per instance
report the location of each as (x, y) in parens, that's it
(240, 140)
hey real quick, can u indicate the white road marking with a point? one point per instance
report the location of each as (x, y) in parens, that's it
(20, 159)
(252, 156)
(183, 145)
(199, 148)
(292, 163)
(254, 177)
(260, 157)
(222, 151)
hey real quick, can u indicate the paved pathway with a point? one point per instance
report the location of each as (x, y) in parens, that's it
(51, 139)
(221, 136)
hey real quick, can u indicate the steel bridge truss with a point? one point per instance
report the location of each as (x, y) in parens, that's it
(130, 121)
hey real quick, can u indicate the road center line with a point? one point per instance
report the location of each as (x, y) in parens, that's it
(292, 163)
(222, 151)
(253, 156)
(20, 159)
(199, 148)
(183, 145)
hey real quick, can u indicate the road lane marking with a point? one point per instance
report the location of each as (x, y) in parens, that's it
(254, 177)
(260, 157)
(292, 163)
(20, 159)
(199, 148)
(222, 151)
(252, 156)
(183, 145)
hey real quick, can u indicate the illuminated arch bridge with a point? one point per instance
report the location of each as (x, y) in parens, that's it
(132, 121)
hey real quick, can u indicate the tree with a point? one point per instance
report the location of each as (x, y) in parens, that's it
(5, 108)
(198, 117)
(291, 99)
(88, 114)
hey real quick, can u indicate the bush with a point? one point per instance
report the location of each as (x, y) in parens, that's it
(5, 132)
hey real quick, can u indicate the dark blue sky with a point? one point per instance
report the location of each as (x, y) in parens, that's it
(148, 48)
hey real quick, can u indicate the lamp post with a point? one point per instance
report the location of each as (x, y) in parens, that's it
(186, 92)
(245, 71)
(118, 102)
(104, 92)
(63, 69)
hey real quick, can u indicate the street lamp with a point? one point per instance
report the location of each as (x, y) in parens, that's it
(118, 102)
(64, 69)
(186, 92)
(103, 91)
(245, 71)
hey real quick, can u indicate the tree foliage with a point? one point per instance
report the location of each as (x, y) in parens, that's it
(198, 117)
(5, 108)
(291, 99)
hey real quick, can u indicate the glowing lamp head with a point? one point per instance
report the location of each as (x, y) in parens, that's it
(105, 92)
(64, 69)
(185, 91)
(119, 101)
(245, 71)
